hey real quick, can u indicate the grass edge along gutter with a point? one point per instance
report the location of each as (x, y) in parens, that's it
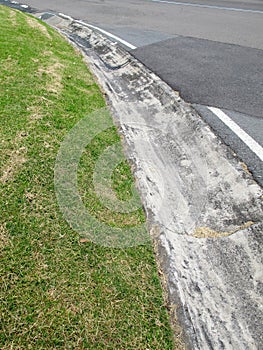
(58, 291)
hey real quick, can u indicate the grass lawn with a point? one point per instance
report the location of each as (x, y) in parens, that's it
(59, 291)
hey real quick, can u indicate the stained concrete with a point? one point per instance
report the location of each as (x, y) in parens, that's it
(192, 186)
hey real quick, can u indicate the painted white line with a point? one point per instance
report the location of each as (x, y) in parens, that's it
(65, 16)
(124, 42)
(248, 140)
(208, 6)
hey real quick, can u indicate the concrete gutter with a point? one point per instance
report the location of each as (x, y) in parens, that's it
(204, 210)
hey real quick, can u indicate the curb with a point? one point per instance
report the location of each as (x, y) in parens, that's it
(204, 211)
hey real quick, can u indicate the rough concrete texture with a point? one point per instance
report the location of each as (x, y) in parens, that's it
(204, 211)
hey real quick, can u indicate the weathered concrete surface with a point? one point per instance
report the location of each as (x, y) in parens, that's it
(204, 211)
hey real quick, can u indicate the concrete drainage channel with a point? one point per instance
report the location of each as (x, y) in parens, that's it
(204, 211)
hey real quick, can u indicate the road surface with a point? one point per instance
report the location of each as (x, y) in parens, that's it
(206, 217)
(209, 51)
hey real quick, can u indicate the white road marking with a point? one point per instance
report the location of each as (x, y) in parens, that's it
(65, 16)
(208, 6)
(124, 42)
(248, 140)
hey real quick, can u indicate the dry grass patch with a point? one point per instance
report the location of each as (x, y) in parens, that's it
(54, 72)
(14, 164)
(33, 23)
(4, 236)
(12, 18)
(8, 64)
(35, 113)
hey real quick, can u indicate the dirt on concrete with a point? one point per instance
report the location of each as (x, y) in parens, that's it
(188, 180)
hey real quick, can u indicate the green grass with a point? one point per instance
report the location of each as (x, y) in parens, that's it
(58, 291)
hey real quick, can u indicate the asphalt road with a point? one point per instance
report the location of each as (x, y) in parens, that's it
(216, 279)
(210, 51)
(242, 28)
